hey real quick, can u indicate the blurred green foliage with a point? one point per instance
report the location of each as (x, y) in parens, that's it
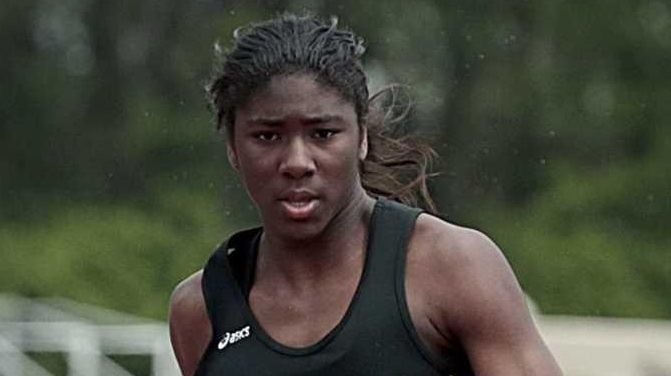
(551, 120)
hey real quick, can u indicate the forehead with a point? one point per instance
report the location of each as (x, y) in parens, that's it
(296, 95)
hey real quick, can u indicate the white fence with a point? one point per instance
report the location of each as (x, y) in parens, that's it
(89, 336)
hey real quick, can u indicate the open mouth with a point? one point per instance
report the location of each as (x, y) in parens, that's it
(299, 208)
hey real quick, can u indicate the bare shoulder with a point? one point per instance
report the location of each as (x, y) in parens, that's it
(190, 329)
(187, 301)
(471, 296)
(462, 265)
(459, 249)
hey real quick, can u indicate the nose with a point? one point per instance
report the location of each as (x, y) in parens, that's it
(297, 161)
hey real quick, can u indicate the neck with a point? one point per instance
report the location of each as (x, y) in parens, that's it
(341, 246)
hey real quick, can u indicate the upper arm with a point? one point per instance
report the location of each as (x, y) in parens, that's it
(190, 330)
(481, 304)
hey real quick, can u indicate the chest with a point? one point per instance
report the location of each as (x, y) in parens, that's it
(353, 326)
(364, 335)
(302, 318)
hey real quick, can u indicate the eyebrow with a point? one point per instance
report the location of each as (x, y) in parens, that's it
(311, 120)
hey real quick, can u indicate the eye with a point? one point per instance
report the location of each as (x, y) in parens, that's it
(266, 136)
(324, 134)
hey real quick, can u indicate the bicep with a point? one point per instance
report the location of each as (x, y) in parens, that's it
(503, 340)
(190, 330)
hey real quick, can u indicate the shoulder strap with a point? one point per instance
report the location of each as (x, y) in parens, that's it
(223, 276)
(392, 226)
(390, 232)
(388, 235)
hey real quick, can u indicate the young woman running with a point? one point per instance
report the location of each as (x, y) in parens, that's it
(344, 276)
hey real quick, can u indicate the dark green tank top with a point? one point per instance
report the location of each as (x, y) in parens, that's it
(375, 337)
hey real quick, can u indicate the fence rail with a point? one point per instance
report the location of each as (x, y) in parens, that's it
(90, 337)
(87, 336)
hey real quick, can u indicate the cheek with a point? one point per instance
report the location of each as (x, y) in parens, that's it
(256, 186)
(345, 165)
(254, 172)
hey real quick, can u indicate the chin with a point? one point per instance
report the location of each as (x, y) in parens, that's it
(300, 230)
(296, 230)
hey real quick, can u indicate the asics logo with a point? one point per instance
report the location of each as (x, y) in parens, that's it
(233, 337)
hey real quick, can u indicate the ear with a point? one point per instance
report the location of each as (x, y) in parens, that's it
(363, 146)
(232, 156)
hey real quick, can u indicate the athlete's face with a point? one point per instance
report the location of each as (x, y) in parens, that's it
(297, 147)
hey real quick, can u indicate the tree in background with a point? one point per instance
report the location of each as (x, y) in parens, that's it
(549, 118)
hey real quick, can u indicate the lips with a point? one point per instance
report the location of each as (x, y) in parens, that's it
(299, 205)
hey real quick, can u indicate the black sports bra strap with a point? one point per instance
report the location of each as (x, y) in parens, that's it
(220, 283)
(390, 234)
